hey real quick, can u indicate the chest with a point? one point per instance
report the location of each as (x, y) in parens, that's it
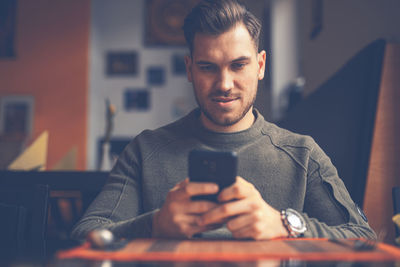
(280, 181)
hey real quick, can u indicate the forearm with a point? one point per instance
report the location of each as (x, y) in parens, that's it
(330, 211)
(137, 227)
(316, 228)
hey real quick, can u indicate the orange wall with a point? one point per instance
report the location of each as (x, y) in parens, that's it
(52, 40)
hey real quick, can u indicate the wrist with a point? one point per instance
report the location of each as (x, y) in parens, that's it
(294, 223)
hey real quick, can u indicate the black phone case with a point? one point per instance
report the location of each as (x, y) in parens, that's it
(218, 167)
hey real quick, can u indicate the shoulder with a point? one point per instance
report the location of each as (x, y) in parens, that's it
(300, 148)
(280, 137)
(284, 138)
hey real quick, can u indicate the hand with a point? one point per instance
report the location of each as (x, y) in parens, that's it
(178, 216)
(246, 214)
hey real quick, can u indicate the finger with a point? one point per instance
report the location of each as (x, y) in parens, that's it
(199, 207)
(245, 232)
(185, 189)
(201, 229)
(222, 212)
(242, 221)
(194, 189)
(182, 205)
(256, 231)
(188, 226)
(180, 185)
(239, 190)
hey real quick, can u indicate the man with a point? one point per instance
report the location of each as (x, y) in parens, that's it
(287, 186)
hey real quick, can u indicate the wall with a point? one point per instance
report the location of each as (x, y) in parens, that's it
(348, 26)
(51, 65)
(61, 49)
(119, 26)
(285, 20)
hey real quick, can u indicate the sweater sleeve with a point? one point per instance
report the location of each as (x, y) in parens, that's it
(118, 207)
(329, 210)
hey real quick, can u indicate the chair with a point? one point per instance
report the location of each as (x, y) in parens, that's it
(353, 116)
(23, 222)
(75, 186)
(396, 205)
(340, 116)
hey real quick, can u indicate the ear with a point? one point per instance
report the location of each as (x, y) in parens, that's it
(261, 60)
(188, 63)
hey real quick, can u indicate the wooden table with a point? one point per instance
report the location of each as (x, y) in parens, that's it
(199, 252)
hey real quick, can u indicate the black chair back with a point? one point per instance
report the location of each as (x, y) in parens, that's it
(23, 222)
(396, 205)
(340, 116)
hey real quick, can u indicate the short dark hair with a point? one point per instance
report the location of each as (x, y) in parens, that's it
(218, 16)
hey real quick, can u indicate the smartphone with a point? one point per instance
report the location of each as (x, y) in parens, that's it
(218, 167)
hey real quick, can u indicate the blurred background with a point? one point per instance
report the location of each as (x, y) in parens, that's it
(61, 60)
(79, 78)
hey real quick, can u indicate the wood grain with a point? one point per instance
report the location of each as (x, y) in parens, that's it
(384, 167)
(235, 250)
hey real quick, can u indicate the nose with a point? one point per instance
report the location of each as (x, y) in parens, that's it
(225, 81)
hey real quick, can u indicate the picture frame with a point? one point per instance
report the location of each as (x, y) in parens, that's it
(164, 21)
(136, 99)
(122, 63)
(8, 14)
(16, 116)
(178, 64)
(155, 76)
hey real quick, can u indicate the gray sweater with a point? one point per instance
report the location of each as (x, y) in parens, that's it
(288, 169)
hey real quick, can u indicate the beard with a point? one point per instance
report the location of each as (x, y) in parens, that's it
(224, 117)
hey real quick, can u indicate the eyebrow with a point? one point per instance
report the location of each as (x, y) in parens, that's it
(205, 62)
(243, 58)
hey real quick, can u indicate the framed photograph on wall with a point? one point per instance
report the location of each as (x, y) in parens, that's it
(16, 116)
(137, 99)
(155, 76)
(164, 21)
(122, 63)
(8, 11)
(178, 64)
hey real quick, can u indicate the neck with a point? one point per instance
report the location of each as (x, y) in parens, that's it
(245, 123)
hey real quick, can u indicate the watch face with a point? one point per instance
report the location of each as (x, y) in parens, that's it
(294, 221)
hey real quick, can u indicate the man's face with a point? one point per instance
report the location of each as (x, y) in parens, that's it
(224, 70)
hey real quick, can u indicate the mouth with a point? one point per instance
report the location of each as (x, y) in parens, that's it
(224, 103)
(224, 99)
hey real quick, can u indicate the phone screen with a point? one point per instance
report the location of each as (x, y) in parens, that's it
(218, 167)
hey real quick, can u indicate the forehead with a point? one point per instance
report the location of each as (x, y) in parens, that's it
(229, 45)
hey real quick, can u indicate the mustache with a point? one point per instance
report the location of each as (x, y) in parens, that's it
(220, 93)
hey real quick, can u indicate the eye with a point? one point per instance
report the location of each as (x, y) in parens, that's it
(238, 65)
(207, 67)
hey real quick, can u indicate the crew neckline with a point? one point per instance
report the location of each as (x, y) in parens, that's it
(225, 139)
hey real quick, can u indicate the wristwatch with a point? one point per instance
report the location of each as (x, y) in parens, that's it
(293, 222)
